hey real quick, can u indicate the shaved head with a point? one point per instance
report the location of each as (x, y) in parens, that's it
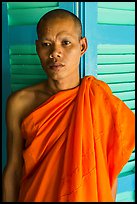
(62, 14)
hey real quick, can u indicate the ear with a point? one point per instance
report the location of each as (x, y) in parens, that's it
(83, 45)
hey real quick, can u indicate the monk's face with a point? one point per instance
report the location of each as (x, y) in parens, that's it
(59, 48)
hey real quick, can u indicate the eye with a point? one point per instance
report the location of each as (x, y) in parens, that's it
(46, 44)
(66, 42)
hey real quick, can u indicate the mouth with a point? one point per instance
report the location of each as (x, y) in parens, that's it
(56, 66)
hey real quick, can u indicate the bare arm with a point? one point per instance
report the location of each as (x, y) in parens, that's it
(13, 169)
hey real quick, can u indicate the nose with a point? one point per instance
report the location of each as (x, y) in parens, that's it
(56, 52)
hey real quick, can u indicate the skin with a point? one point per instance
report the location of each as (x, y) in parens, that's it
(59, 49)
(59, 45)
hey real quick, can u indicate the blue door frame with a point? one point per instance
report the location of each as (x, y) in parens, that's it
(5, 76)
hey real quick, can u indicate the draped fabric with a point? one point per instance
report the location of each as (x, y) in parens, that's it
(77, 142)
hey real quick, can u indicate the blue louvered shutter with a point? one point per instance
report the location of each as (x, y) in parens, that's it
(116, 66)
(25, 65)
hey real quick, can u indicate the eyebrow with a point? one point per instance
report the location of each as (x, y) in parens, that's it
(64, 34)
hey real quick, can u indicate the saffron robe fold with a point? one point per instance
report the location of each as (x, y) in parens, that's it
(77, 142)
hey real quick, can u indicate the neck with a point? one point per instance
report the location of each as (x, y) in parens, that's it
(55, 86)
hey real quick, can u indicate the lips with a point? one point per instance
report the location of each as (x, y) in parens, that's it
(56, 66)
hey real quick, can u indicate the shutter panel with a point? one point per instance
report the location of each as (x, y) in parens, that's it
(116, 66)
(25, 67)
(127, 17)
(120, 5)
(27, 9)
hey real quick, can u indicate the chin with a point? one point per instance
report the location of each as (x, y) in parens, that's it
(58, 77)
(54, 76)
(61, 74)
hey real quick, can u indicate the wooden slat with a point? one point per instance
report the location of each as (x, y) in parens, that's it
(132, 157)
(26, 79)
(130, 104)
(23, 5)
(128, 95)
(122, 184)
(122, 87)
(127, 196)
(26, 16)
(124, 174)
(22, 34)
(27, 69)
(22, 49)
(123, 180)
(15, 87)
(115, 59)
(130, 166)
(117, 78)
(115, 49)
(119, 5)
(24, 59)
(116, 68)
(116, 17)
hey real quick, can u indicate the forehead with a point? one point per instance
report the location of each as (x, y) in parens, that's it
(58, 25)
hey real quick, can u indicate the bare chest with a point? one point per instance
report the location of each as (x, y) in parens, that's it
(32, 102)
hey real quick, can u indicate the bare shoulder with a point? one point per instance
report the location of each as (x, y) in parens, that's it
(24, 101)
(16, 104)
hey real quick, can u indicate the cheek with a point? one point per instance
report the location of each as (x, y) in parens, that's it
(43, 59)
(42, 53)
(75, 57)
(73, 54)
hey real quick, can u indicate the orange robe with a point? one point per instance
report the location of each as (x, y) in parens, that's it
(77, 142)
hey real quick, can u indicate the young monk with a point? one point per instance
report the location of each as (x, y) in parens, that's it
(68, 137)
